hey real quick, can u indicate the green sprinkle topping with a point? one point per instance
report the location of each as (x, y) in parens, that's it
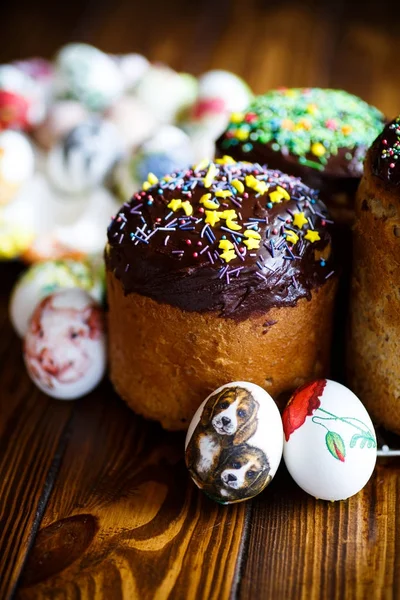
(312, 124)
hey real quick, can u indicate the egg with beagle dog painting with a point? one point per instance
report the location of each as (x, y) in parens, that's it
(234, 442)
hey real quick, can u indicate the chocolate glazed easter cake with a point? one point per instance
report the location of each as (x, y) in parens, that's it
(320, 135)
(374, 350)
(218, 273)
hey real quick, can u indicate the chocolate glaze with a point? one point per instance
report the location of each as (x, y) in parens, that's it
(341, 176)
(269, 277)
(385, 154)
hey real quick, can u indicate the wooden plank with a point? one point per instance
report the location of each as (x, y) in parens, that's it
(125, 521)
(32, 436)
(310, 550)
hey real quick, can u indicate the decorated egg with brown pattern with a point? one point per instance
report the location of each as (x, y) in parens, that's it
(64, 348)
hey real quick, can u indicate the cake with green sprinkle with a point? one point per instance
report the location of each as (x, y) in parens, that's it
(320, 135)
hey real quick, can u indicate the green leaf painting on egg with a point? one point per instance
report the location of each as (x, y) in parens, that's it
(335, 445)
(334, 441)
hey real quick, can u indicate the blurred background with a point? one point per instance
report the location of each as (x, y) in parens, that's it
(351, 45)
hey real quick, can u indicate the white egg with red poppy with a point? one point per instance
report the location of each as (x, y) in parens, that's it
(64, 347)
(330, 444)
(234, 442)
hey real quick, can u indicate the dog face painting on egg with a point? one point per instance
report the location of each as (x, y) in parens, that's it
(234, 442)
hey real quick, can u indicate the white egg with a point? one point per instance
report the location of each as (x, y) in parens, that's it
(134, 122)
(64, 347)
(88, 75)
(132, 67)
(84, 158)
(166, 92)
(17, 163)
(234, 442)
(234, 93)
(45, 278)
(330, 444)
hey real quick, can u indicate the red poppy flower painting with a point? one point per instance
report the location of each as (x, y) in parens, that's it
(301, 405)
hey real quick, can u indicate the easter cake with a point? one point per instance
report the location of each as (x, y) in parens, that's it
(373, 355)
(220, 272)
(320, 135)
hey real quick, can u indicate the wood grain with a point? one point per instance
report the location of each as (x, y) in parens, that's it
(348, 549)
(32, 439)
(124, 520)
(97, 499)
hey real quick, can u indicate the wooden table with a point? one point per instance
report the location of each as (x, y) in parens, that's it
(94, 501)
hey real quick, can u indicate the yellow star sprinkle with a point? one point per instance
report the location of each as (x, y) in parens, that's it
(252, 244)
(276, 196)
(228, 214)
(187, 207)
(237, 117)
(285, 194)
(211, 173)
(202, 164)
(261, 187)
(225, 245)
(223, 193)
(212, 217)
(146, 185)
(167, 178)
(299, 220)
(312, 236)
(232, 225)
(228, 255)
(152, 179)
(291, 236)
(238, 185)
(251, 181)
(225, 160)
(250, 233)
(318, 149)
(175, 204)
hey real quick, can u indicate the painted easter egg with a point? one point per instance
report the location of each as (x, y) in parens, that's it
(88, 75)
(132, 66)
(17, 163)
(45, 278)
(38, 68)
(61, 118)
(166, 92)
(134, 122)
(64, 347)
(169, 150)
(330, 443)
(84, 158)
(25, 90)
(222, 91)
(14, 111)
(234, 442)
